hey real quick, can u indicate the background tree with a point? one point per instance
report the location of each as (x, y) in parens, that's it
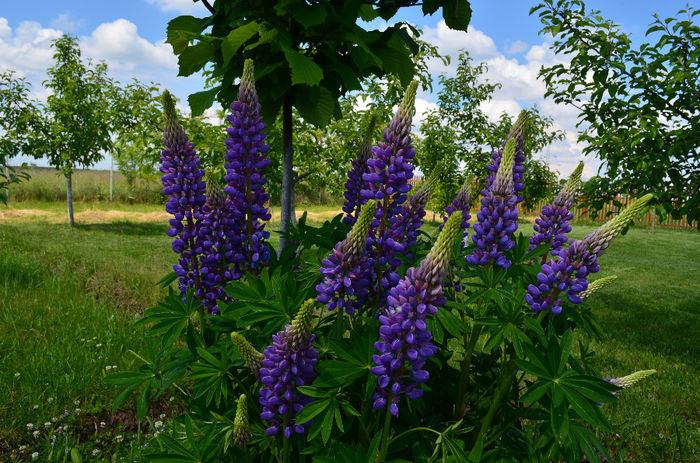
(74, 126)
(307, 56)
(638, 106)
(459, 135)
(16, 109)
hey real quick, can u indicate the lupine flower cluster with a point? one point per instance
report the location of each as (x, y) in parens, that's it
(413, 212)
(347, 270)
(355, 184)
(289, 363)
(405, 339)
(517, 133)
(218, 234)
(498, 215)
(184, 184)
(553, 223)
(462, 203)
(568, 272)
(245, 159)
(251, 357)
(216, 244)
(389, 169)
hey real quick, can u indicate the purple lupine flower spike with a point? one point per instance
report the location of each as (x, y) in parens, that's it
(553, 223)
(462, 203)
(216, 243)
(389, 169)
(183, 183)
(413, 211)
(353, 199)
(289, 363)
(347, 269)
(498, 216)
(405, 339)
(245, 161)
(568, 272)
(517, 132)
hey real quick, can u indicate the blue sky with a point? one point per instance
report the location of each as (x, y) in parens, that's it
(129, 35)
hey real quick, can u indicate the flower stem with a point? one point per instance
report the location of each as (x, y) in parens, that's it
(381, 456)
(504, 384)
(461, 408)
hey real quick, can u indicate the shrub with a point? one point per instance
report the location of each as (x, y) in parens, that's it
(373, 343)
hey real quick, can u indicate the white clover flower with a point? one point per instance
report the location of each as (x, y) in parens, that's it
(82, 339)
(77, 411)
(119, 438)
(47, 424)
(98, 345)
(95, 452)
(102, 424)
(35, 433)
(35, 455)
(107, 368)
(17, 375)
(77, 402)
(161, 416)
(114, 367)
(36, 407)
(30, 426)
(49, 400)
(159, 424)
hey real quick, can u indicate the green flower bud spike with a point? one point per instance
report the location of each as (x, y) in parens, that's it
(519, 126)
(215, 194)
(251, 357)
(433, 269)
(629, 380)
(246, 92)
(599, 239)
(574, 181)
(241, 428)
(400, 124)
(597, 285)
(367, 140)
(503, 183)
(173, 133)
(356, 240)
(423, 193)
(299, 331)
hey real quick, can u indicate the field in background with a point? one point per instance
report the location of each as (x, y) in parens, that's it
(70, 296)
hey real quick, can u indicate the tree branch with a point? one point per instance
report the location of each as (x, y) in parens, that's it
(208, 6)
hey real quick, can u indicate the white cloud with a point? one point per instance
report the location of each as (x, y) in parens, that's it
(27, 49)
(120, 45)
(517, 47)
(182, 6)
(65, 23)
(450, 42)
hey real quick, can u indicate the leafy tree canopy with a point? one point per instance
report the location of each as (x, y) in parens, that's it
(638, 105)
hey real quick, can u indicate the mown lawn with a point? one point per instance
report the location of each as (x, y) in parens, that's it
(68, 299)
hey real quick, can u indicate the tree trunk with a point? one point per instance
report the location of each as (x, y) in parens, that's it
(69, 198)
(287, 203)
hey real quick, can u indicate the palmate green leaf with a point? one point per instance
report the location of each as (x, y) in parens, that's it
(336, 373)
(457, 14)
(312, 410)
(559, 420)
(237, 37)
(195, 57)
(538, 360)
(200, 101)
(589, 443)
(533, 369)
(451, 322)
(310, 15)
(586, 409)
(593, 388)
(536, 391)
(304, 70)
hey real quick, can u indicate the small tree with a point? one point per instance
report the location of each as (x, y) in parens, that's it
(74, 127)
(638, 106)
(16, 109)
(307, 55)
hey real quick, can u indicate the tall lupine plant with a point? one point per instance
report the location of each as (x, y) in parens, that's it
(389, 169)
(245, 161)
(184, 185)
(311, 359)
(553, 223)
(355, 184)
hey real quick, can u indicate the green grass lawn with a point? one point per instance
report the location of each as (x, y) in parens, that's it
(68, 299)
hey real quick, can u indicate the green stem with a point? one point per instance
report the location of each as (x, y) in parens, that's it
(504, 384)
(385, 433)
(285, 450)
(412, 430)
(461, 408)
